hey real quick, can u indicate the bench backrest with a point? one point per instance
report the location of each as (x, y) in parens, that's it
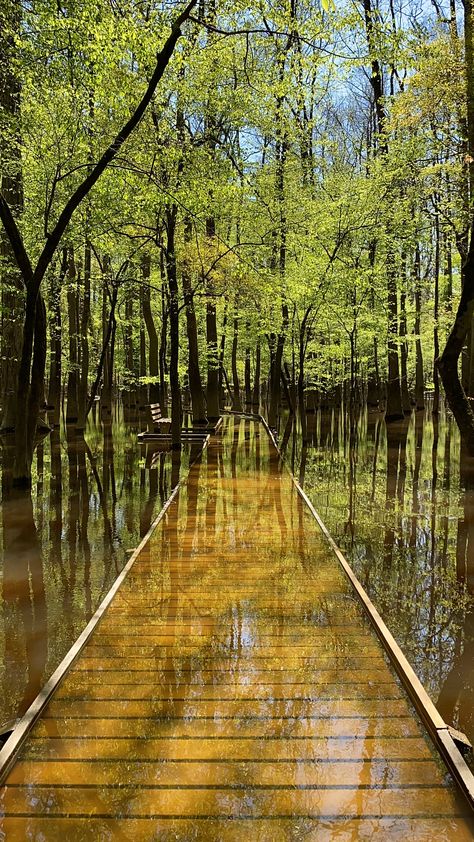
(155, 411)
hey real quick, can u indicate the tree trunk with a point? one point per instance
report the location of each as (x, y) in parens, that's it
(300, 384)
(449, 360)
(108, 334)
(153, 362)
(11, 184)
(406, 401)
(107, 353)
(175, 389)
(83, 374)
(247, 374)
(256, 382)
(236, 399)
(73, 327)
(212, 386)
(198, 402)
(394, 408)
(55, 330)
(419, 376)
(436, 316)
(163, 337)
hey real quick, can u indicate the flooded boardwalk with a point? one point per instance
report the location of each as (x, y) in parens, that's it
(233, 690)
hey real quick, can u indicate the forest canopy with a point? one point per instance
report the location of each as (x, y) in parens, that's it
(222, 203)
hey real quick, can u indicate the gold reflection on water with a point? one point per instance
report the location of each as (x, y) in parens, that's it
(233, 690)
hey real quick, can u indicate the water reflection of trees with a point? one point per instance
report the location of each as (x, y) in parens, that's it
(390, 495)
(24, 607)
(63, 545)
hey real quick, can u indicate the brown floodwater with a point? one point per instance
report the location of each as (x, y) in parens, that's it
(399, 500)
(62, 546)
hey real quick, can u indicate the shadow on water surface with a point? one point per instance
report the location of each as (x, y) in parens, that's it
(399, 500)
(63, 544)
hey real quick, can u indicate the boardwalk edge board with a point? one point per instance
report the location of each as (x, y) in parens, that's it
(13, 744)
(438, 729)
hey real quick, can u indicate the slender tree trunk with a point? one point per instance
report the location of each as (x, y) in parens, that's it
(73, 327)
(236, 399)
(419, 375)
(142, 373)
(300, 384)
(35, 393)
(83, 379)
(212, 387)
(129, 354)
(55, 330)
(11, 184)
(175, 388)
(256, 382)
(153, 360)
(280, 244)
(247, 373)
(107, 353)
(108, 336)
(394, 408)
(406, 401)
(436, 315)
(198, 402)
(221, 375)
(163, 336)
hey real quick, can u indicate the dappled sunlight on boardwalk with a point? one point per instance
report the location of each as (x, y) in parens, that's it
(233, 690)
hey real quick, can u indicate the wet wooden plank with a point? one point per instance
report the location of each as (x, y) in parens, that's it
(225, 801)
(331, 773)
(343, 829)
(238, 748)
(299, 723)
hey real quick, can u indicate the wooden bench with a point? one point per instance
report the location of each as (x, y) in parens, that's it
(158, 423)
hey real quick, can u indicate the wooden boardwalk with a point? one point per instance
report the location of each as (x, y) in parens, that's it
(234, 689)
